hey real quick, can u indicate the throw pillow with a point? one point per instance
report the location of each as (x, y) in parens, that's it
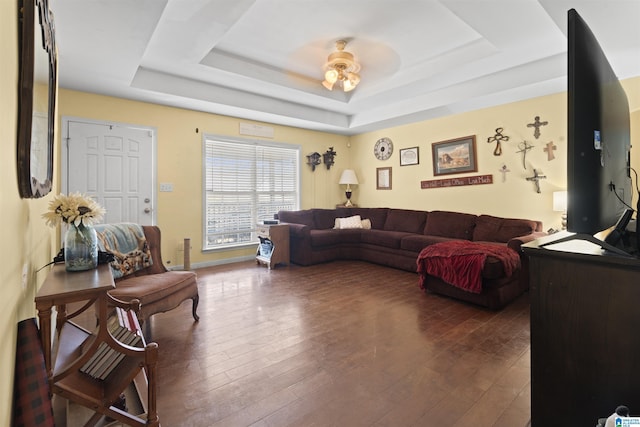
(349, 222)
(366, 224)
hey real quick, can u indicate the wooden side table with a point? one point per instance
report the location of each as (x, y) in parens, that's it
(61, 288)
(274, 244)
(73, 346)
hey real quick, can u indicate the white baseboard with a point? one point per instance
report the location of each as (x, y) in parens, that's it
(214, 263)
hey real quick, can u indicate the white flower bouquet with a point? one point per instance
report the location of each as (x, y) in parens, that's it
(76, 209)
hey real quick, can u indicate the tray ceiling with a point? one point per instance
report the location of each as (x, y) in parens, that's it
(262, 59)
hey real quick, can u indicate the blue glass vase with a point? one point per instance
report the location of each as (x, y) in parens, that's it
(80, 248)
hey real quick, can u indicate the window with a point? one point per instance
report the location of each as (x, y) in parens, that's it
(246, 182)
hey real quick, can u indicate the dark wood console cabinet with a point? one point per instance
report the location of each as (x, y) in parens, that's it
(585, 333)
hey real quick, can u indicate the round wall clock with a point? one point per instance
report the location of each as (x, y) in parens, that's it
(383, 148)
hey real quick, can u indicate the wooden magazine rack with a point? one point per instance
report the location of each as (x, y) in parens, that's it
(73, 346)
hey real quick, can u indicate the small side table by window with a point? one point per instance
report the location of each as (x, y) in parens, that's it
(274, 244)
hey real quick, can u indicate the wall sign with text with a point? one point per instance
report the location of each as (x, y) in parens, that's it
(457, 182)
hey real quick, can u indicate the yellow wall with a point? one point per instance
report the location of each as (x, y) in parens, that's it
(29, 243)
(26, 240)
(179, 148)
(179, 155)
(515, 197)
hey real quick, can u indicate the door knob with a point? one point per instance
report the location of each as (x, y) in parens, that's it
(147, 210)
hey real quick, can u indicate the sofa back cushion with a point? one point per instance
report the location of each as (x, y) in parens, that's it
(324, 218)
(377, 216)
(493, 229)
(297, 217)
(455, 225)
(405, 220)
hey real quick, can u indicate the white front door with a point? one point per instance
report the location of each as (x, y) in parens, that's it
(114, 164)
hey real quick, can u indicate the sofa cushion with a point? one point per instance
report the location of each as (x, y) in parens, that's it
(417, 242)
(455, 225)
(349, 235)
(377, 216)
(298, 231)
(493, 268)
(331, 237)
(325, 237)
(297, 217)
(405, 220)
(348, 222)
(494, 229)
(324, 218)
(389, 239)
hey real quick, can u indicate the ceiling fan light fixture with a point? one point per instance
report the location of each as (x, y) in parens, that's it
(328, 84)
(331, 76)
(347, 86)
(341, 69)
(352, 79)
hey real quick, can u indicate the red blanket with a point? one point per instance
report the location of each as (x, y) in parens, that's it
(460, 262)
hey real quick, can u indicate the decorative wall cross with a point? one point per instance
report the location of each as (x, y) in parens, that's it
(503, 169)
(536, 179)
(498, 138)
(549, 149)
(537, 124)
(524, 147)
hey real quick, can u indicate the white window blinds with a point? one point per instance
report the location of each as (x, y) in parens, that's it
(246, 182)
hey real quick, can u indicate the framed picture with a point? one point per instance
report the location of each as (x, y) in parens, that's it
(383, 178)
(455, 156)
(409, 156)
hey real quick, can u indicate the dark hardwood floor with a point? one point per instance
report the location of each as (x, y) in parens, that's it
(339, 344)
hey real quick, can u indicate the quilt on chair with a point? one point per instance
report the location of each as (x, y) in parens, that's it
(128, 244)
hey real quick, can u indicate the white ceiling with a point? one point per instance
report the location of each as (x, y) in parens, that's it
(262, 59)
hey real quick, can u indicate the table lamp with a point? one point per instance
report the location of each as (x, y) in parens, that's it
(349, 178)
(560, 205)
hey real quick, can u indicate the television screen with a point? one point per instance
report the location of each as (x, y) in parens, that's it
(598, 148)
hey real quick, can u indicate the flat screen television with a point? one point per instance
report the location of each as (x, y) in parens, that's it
(598, 150)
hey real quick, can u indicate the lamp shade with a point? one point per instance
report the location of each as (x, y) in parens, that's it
(559, 201)
(348, 177)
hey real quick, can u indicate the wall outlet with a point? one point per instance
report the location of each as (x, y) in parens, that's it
(166, 187)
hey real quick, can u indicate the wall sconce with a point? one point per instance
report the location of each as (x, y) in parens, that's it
(328, 157)
(313, 160)
(349, 178)
(560, 205)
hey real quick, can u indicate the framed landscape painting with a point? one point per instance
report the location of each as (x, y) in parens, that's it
(455, 156)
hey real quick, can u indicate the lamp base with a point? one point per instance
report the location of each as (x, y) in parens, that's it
(348, 194)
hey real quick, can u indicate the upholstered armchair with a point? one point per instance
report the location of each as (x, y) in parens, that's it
(157, 288)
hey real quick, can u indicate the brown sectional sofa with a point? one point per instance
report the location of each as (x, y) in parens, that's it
(397, 236)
